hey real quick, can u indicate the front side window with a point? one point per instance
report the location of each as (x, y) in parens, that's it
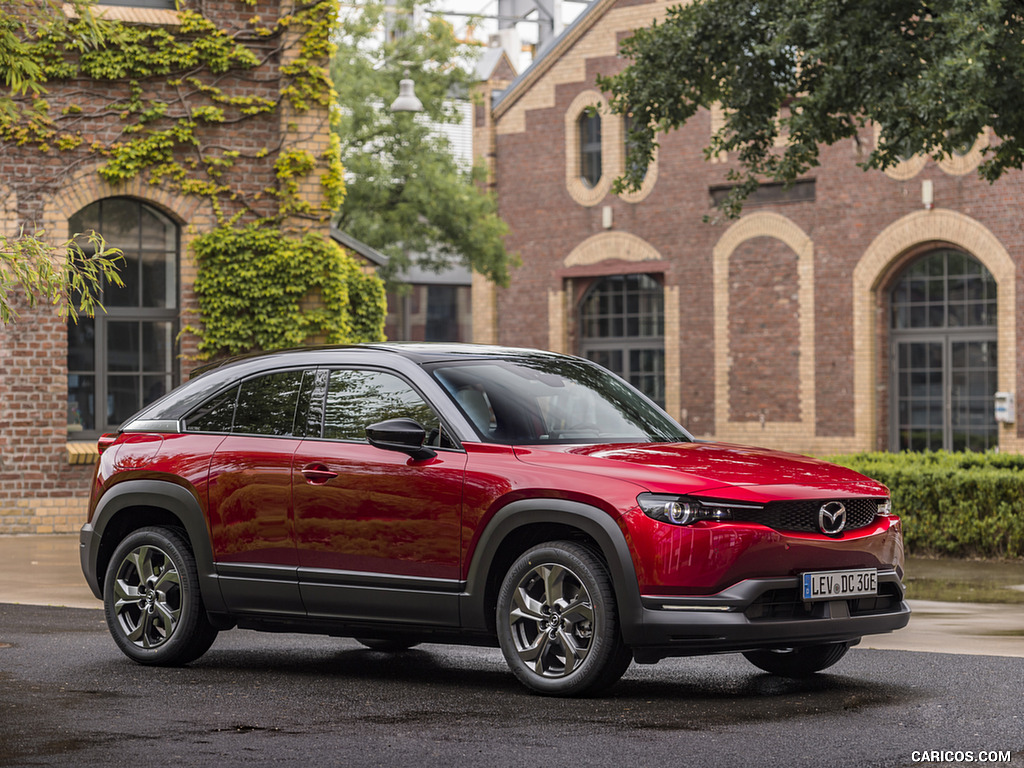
(590, 149)
(123, 359)
(357, 399)
(944, 354)
(622, 327)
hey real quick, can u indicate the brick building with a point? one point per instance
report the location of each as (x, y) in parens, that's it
(854, 311)
(62, 384)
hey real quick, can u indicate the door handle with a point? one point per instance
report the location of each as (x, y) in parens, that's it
(318, 474)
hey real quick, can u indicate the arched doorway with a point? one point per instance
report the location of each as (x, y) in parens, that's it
(943, 354)
(622, 327)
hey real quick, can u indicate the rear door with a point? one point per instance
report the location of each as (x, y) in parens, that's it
(251, 522)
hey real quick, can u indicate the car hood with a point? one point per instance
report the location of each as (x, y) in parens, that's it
(752, 473)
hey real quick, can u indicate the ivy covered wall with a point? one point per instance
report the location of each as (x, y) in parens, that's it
(217, 115)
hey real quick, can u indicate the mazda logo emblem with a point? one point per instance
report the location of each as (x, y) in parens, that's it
(832, 518)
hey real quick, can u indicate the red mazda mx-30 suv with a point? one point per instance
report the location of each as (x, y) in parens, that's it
(409, 493)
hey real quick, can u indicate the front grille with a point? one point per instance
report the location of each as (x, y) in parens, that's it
(803, 515)
(782, 604)
(779, 604)
(886, 601)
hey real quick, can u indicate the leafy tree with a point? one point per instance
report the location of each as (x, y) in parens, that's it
(406, 195)
(60, 273)
(932, 74)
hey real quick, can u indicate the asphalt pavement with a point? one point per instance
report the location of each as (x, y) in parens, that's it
(45, 570)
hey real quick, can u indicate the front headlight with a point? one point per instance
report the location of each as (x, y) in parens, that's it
(885, 508)
(681, 510)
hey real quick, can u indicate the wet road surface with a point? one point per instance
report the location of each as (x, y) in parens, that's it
(69, 698)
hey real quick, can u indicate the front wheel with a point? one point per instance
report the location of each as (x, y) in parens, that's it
(798, 662)
(557, 621)
(152, 602)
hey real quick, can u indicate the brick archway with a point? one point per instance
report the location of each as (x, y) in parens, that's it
(939, 225)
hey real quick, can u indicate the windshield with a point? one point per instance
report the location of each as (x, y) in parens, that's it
(528, 401)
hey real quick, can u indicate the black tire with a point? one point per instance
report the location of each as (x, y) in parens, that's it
(388, 644)
(152, 601)
(798, 662)
(558, 623)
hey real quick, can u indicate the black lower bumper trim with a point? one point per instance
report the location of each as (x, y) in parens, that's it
(724, 623)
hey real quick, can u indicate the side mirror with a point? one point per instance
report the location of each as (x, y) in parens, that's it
(404, 435)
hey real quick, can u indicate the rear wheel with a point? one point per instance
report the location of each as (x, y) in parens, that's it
(151, 599)
(557, 621)
(798, 662)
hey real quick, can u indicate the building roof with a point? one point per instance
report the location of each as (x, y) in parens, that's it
(370, 254)
(551, 54)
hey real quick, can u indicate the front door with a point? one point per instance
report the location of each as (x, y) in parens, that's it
(378, 533)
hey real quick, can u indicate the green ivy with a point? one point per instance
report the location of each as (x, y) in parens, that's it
(259, 287)
(259, 291)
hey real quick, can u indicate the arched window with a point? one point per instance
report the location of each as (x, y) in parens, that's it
(622, 327)
(123, 359)
(943, 339)
(590, 149)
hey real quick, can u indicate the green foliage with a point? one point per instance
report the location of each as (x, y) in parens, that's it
(406, 195)
(260, 291)
(166, 132)
(258, 287)
(931, 74)
(69, 276)
(955, 504)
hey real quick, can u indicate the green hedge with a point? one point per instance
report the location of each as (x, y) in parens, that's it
(953, 504)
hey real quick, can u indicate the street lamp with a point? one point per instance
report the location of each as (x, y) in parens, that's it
(406, 101)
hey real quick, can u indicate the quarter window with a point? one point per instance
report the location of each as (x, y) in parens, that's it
(123, 359)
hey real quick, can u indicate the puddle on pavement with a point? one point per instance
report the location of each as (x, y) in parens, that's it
(966, 581)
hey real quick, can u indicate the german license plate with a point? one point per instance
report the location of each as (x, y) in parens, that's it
(828, 585)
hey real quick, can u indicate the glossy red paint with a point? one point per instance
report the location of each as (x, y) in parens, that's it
(368, 509)
(496, 476)
(383, 512)
(704, 558)
(707, 557)
(705, 467)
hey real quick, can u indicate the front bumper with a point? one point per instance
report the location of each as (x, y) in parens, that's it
(761, 613)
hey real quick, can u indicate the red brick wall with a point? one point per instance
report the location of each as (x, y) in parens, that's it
(764, 332)
(40, 491)
(852, 207)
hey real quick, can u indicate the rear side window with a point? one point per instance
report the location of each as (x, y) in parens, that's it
(275, 404)
(267, 404)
